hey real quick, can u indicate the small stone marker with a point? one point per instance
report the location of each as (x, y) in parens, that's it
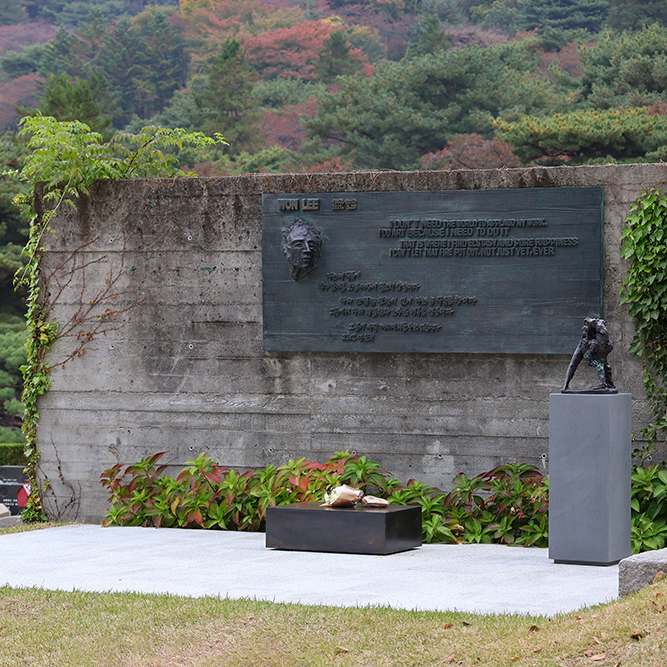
(640, 570)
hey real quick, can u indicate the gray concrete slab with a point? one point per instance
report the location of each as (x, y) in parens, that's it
(488, 579)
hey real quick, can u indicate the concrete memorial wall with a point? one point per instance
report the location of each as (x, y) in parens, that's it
(438, 312)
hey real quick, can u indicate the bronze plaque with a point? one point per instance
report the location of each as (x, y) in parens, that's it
(486, 271)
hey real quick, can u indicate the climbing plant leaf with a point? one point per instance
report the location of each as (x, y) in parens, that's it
(644, 289)
(66, 158)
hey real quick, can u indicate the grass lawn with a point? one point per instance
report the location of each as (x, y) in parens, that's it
(26, 527)
(63, 629)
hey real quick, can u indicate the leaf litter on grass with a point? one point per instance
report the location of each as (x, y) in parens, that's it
(79, 629)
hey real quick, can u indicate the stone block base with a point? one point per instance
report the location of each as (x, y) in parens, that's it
(354, 530)
(590, 443)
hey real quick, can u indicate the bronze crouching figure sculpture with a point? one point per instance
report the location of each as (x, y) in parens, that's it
(594, 347)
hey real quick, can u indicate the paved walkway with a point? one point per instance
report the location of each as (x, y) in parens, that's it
(485, 578)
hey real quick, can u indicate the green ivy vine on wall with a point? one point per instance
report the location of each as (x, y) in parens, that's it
(645, 291)
(66, 158)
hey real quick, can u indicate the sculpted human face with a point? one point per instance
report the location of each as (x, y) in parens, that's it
(301, 248)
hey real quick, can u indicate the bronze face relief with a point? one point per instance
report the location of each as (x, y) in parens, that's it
(302, 246)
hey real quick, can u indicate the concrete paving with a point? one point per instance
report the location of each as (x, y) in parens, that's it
(488, 579)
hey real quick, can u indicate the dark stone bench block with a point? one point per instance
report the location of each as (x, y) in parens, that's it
(353, 530)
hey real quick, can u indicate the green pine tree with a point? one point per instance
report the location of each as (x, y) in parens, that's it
(162, 63)
(145, 61)
(625, 70)
(72, 13)
(334, 58)
(226, 102)
(562, 15)
(634, 14)
(65, 54)
(93, 32)
(119, 60)
(11, 12)
(67, 101)
(13, 332)
(431, 38)
(25, 61)
(411, 108)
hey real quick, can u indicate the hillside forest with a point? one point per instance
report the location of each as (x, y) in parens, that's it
(331, 85)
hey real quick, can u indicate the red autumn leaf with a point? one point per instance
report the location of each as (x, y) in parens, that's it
(471, 151)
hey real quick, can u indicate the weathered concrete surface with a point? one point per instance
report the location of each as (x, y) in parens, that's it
(478, 578)
(181, 367)
(639, 570)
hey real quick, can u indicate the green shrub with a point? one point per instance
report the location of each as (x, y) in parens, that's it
(649, 508)
(11, 454)
(506, 505)
(11, 435)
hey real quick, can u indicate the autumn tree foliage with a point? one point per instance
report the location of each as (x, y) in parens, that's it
(283, 127)
(13, 37)
(471, 151)
(210, 22)
(308, 50)
(288, 52)
(19, 91)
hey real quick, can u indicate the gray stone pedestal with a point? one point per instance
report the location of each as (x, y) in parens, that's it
(590, 448)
